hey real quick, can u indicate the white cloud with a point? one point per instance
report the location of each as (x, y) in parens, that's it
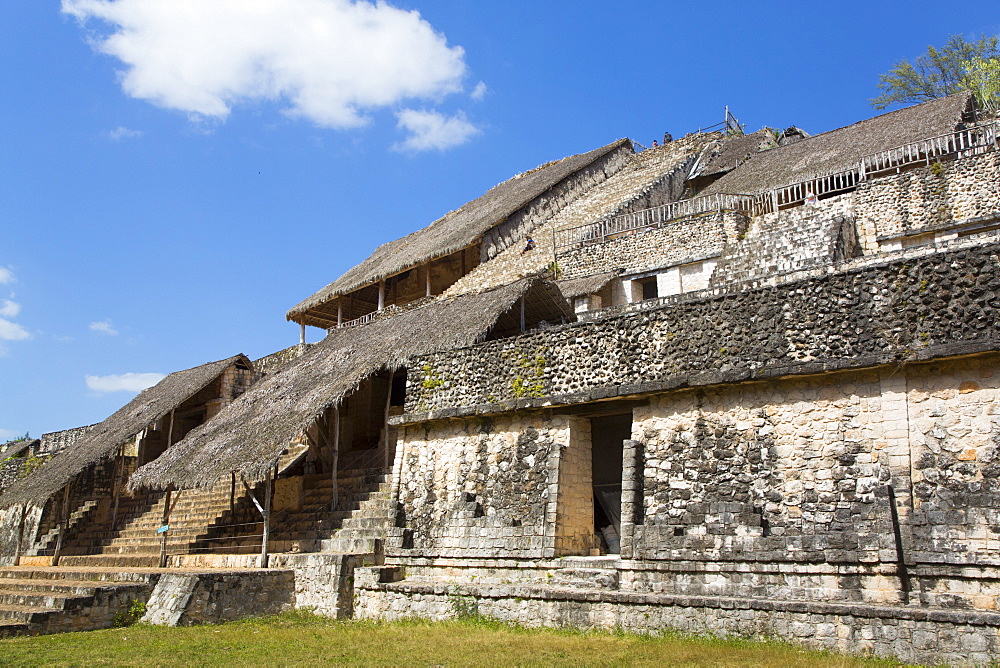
(122, 132)
(6, 275)
(125, 382)
(432, 130)
(479, 92)
(104, 327)
(9, 309)
(11, 331)
(8, 434)
(331, 61)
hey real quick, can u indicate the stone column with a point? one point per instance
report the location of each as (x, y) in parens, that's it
(633, 465)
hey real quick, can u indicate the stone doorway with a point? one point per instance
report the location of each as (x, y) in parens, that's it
(607, 433)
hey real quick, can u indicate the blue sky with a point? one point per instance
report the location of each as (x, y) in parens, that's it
(176, 174)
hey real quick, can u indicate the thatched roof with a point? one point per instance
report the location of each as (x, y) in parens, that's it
(249, 435)
(14, 448)
(455, 230)
(585, 285)
(727, 153)
(842, 149)
(149, 406)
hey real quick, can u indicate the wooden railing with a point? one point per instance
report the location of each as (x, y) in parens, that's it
(961, 143)
(368, 317)
(653, 218)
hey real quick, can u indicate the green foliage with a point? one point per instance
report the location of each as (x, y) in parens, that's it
(554, 270)
(937, 169)
(431, 380)
(959, 65)
(465, 608)
(31, 464)
(130, 615)
(530, 379)
(983, 79)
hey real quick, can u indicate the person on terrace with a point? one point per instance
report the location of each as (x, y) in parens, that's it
(530, 245)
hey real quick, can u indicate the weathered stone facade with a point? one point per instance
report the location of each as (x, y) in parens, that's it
(686, 240)
(782, 420)
(928, 199)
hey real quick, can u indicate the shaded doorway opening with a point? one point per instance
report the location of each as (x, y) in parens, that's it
(607, 434)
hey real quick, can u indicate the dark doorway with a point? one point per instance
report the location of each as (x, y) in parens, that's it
(607, 434)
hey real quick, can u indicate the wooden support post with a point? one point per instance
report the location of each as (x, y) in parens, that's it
(63, 520)
(116, 482)
(522, 315)
(167, 507)
(302, 333)
(20, 534)
(335, 459)
(385, 422)
(340, 312)
(170, 429)
(381, 295)
(267, 518)
(264, 510)
(427, 276)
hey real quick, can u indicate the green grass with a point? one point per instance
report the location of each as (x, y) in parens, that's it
(303, 639)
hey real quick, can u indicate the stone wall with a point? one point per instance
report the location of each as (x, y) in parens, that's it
(910, 634)
(928, 198)
(480, 488)
(57, 441)
(186, 599)
(916, 308)
(323, 582)
(10, 528)
(790, 240)
(9, 470)
(685, 240)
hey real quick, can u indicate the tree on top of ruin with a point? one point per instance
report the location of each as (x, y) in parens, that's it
(958, 65)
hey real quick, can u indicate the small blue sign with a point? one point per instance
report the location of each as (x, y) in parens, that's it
(163, 529)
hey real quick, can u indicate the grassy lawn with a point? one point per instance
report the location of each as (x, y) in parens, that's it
(303, 639)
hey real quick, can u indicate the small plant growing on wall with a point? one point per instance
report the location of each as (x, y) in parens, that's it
(31, 464)
(130, 614)
(530, 378)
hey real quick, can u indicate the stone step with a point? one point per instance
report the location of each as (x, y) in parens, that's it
(141, 560)
(56, 585)
(24, 614)
(367, 522)
(39, 599)
(10, 627)
(584, 578)
(73, 574)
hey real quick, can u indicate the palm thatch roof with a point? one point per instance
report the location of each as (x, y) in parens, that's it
(15, 448)
(149, 406)
(727, 153)
(585, 285)
(249, 435)
(457, 229)
(842, 149)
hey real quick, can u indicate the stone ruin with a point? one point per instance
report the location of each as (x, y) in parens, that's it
(735, 384)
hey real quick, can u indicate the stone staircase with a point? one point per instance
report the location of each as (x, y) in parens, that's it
(364, 516)
(46, 542)
(53, 600)
(790, 240)
(134, 540)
